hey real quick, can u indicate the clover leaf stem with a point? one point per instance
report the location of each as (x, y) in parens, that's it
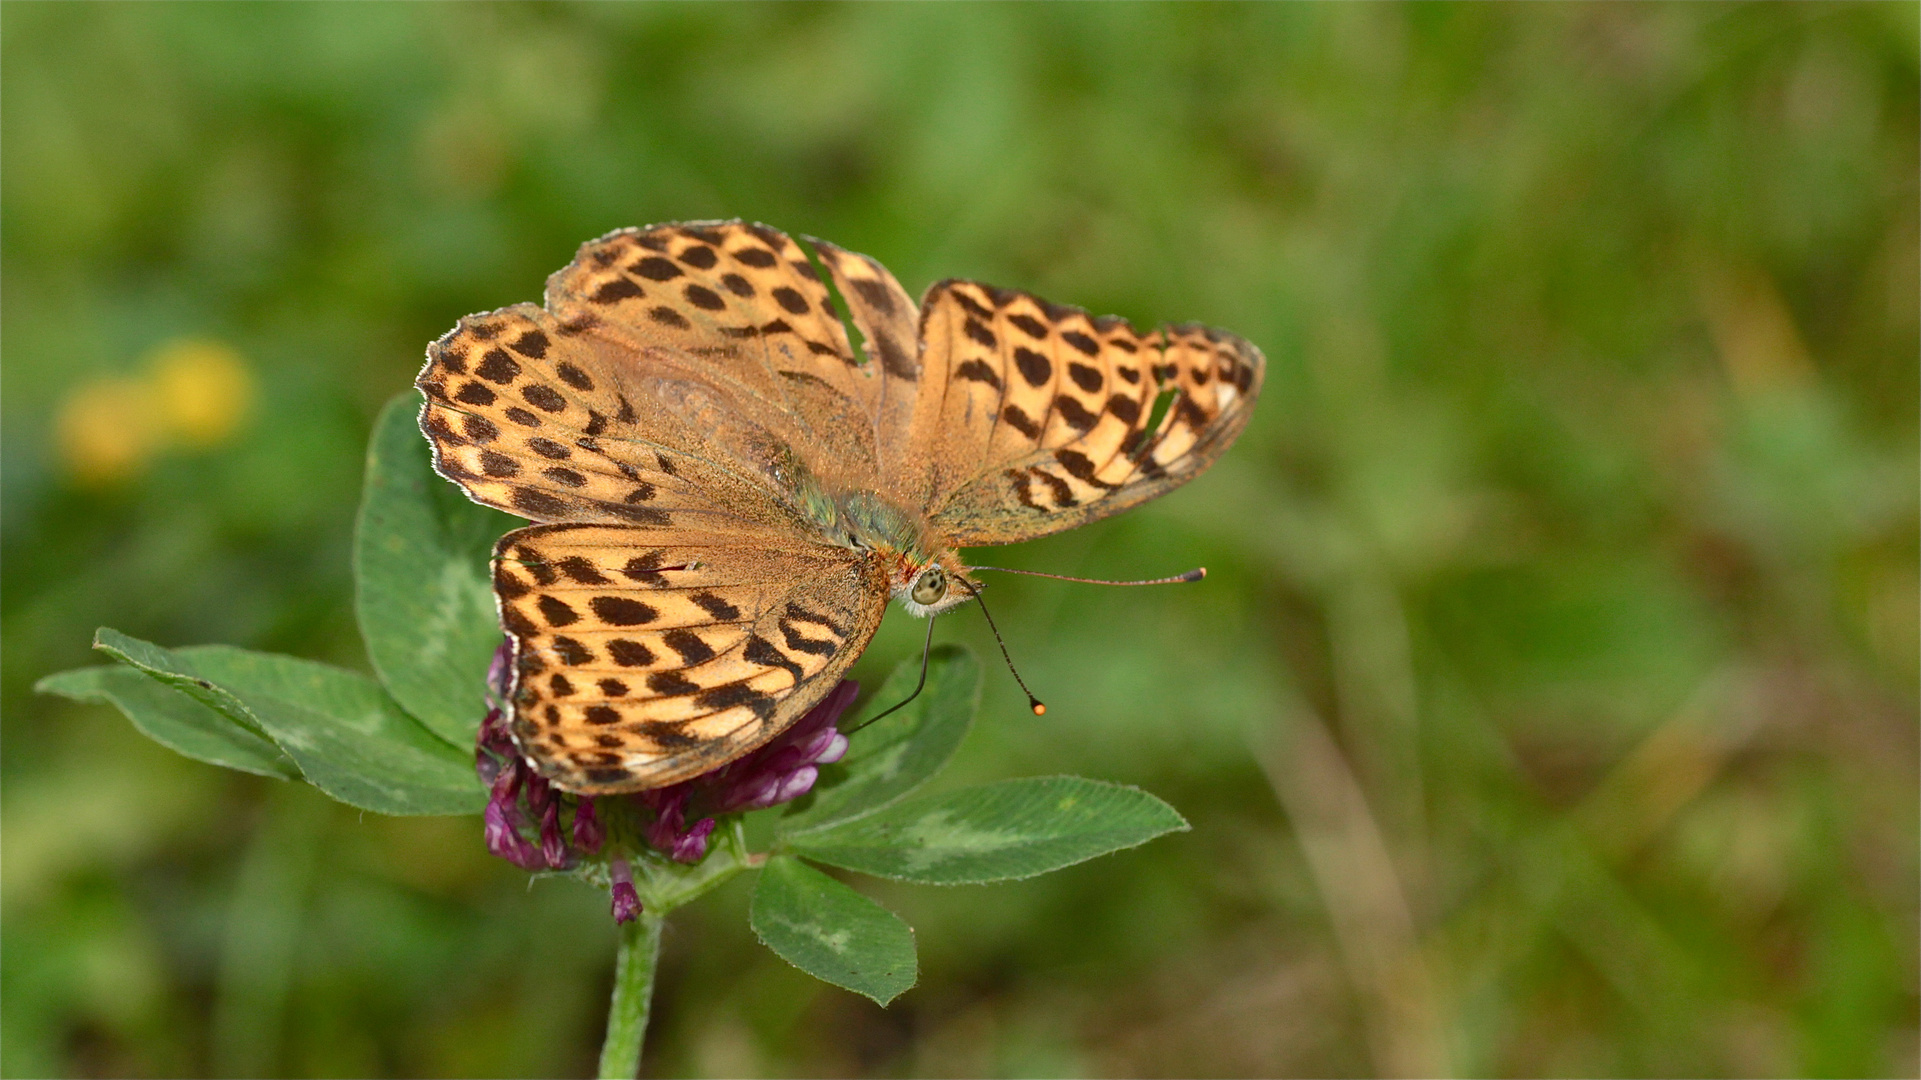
(634, 966)
(663, 888)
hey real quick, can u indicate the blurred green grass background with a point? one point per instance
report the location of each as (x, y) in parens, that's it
(1550, 708)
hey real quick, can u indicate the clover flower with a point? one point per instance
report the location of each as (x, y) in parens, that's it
(523, 820)
(783, 770)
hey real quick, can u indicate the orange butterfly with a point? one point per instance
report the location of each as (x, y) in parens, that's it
(727, 493)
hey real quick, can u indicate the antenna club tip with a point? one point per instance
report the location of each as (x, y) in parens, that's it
(1039, 709)
(1199, 572)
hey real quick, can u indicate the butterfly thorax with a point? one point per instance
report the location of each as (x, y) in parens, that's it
(922, 573)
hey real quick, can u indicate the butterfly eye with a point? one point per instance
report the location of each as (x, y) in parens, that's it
(931, 586)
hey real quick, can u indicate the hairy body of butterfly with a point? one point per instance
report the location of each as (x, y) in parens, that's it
(727, 494)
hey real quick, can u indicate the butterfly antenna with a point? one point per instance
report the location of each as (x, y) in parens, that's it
(1195, 574)
(918, 687)
(1033, 702)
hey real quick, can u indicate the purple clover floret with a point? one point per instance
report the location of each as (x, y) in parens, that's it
(503, 822)
(670, 834)
(499, 669)
(525, 811)
(588, 832)
(626, 897)
(491, 747)
(783, 770)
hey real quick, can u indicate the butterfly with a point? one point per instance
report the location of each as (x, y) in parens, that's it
(726, 492)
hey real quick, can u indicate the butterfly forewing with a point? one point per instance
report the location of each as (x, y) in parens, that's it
(743, 308)
(1037, 418)
(645, 656)
(528, 417)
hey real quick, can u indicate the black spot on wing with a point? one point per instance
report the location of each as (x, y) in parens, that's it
(689, 645)
(1079, 467)
(1029, 325)
(497, 367)
(544, 397)
(894, 358)
(978, 371)
(532, 343)
(1021, 422)
(1081, 341)
(715, 606)
(571, 652)
(556, 611)
(630, 653)
(765, 653)
(508, 584)
(655, 268)
(622, 610)
(794, 302)
(737, 695)
(801, 643)
(671, 684)
(1077, 415)
(578, 569)
(1033, 366)
(538, 503)
(669, 736)
(801, 614)
(615, 291)
(876, 294)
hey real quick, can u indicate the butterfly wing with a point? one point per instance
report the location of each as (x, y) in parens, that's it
(646, 656)
(680, 366)
(1033, 418)
(741, 306)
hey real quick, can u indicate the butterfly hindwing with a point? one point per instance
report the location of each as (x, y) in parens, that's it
(1034, 418)
(646, 656)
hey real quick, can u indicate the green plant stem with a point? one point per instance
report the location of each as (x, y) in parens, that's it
(633, 997)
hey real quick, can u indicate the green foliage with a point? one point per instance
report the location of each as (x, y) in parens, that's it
(174, 720)
(894, 755)
(421, 589)
(346, 735)
(1579, 516)
(832, 932)
(417, 557)
(997, 832)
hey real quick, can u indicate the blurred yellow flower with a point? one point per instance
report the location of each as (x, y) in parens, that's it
(203, 389)
(107, 429)
(195, 393)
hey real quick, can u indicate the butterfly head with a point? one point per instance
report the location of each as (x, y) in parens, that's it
(932, 586)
